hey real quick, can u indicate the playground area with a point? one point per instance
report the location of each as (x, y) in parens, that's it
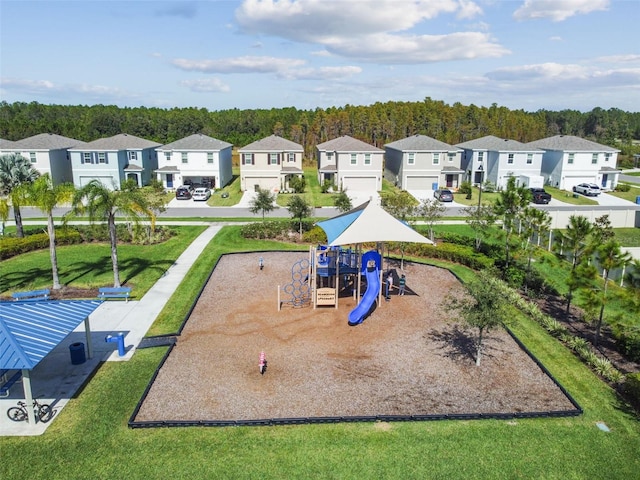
(406, 358)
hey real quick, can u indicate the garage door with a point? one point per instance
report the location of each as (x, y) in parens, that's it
(359, 184)
(570, 182)
(420, 183)
(106, 181)
(265, 183)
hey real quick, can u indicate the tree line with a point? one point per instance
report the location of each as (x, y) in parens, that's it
(376, 124)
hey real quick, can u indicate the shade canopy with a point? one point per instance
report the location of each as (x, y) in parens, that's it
(30, 330)
(368, 223)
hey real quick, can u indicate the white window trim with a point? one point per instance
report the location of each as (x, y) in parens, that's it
(510, 158)
(210, 159)
(436, 158)
(184, 157)
(570, 158)
(411, 159)
(167, 156)
(367, 159)
(32, 157)
(354, 159)
(291, 157)
(529, 158)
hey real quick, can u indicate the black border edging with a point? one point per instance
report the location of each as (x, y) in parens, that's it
(339, 419)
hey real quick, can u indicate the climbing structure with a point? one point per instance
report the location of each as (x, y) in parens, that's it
(299, 289)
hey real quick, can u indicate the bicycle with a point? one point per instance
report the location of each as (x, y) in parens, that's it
(20, 413)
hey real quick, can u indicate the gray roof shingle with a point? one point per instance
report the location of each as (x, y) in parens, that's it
(272, 143)
(347, 144)
(196, 141)
(570, 143)
(48, 141)
(495, 144)
(421, 143)
(122, 141)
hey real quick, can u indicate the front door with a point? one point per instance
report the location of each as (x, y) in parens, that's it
(478, 179)
(604, 180)
(169, 180)
(449, 180)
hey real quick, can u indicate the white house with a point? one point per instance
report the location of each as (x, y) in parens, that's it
(196, 159)
(112, 160)
(270, 163)
(350, 164)
(6, 146)
(48, 153)
(569, 160)
(422, 163)
(497, 159)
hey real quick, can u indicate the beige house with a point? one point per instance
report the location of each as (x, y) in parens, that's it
(270, 163)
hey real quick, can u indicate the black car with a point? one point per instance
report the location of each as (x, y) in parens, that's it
(540, 196)
(183, 193)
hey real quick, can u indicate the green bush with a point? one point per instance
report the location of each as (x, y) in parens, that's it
(623, 187)
(628, 341)
(445, 251)
(12, 246)
(632, 389)
(316, 236)
(465, 188)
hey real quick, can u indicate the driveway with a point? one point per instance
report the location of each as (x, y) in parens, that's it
(610, 200)
(421, 195)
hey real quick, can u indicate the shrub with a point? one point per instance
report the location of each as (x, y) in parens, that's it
(465, 188)
(446, 251)
(316, 235)
(623, 187)
(265, 230)
(628, 341)
(12, 246)
(632, 389)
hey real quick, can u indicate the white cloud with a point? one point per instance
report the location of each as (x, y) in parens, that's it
(620, 59)
(247, 64)
(206, 85)
(555, 39)
(328, 73)
(371, 31)
(99, 93)
(558, 10)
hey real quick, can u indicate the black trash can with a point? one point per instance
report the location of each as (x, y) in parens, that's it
(77, 353)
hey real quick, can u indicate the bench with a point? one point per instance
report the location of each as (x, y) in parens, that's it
(4, 391)
(114, 292)
(31, 296)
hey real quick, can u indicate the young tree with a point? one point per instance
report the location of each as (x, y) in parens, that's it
(534, 222)
(485, 309)
(262, 202)
(155, 199)
(101, 203)
(16, 173)
(400, 204)
(509, 205)
(431, 210)
(480, 219)
(342, 201)
(47, 196)
(299, 208)
(575, 241)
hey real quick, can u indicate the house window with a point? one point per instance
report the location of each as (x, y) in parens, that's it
(436, 159)
(247, 158)
(570, 160)
(480, 156)
(291, 157)
(594, 158)
(451, 156)
(273, 159)
(367, 159)
(86, 157)
(209, 157)
(329, 156)
(412, 159)
(133, 156)
(607, 157)
(529, 158)
(32, 157)
(167, 156)
(102, 157)
(354, 159)
(510, 158)
(185, 157)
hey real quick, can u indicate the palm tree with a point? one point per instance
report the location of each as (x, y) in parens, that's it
(101, 203)
(47, 196)
(575, 241)
(15, 173)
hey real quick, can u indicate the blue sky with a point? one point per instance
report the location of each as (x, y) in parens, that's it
(523, 54)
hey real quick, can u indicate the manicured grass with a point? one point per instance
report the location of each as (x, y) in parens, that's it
(312, 193)
(630, 196)
(628, 237)
(90, 438)
(487, 197)
(568, 197)
(89, 266)
(232, 189)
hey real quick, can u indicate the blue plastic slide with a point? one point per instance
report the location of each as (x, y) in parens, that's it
(358, 314)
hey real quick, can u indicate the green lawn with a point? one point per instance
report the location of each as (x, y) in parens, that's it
(630, 196)
(90, 438)
(232, 190)
(312, 193)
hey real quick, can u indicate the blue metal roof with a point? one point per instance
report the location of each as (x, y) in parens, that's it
(30, 330)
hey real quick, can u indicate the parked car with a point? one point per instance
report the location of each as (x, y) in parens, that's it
(201, 194)
(588, 189)
(540, 196)
(443, 195)
(183, 193)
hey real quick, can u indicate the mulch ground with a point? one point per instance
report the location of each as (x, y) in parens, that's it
(406, 358)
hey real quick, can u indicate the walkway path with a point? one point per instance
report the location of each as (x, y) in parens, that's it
(55, 380)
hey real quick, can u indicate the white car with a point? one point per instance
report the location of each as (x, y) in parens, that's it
(588, 189)
(201, 194)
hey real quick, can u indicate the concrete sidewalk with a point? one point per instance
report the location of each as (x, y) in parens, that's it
(55, 380)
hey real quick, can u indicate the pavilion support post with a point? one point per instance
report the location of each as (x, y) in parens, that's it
(28, 396)
(87, 333)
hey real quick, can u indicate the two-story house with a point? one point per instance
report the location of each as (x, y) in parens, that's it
(113, 160)
(48, 153)
(350, 164)
(196, 159)
(497, 159)
(6, 146)
(421, 163)
(569, 160)
(270, 163)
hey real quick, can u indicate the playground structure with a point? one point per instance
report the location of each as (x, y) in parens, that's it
(332, 271)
